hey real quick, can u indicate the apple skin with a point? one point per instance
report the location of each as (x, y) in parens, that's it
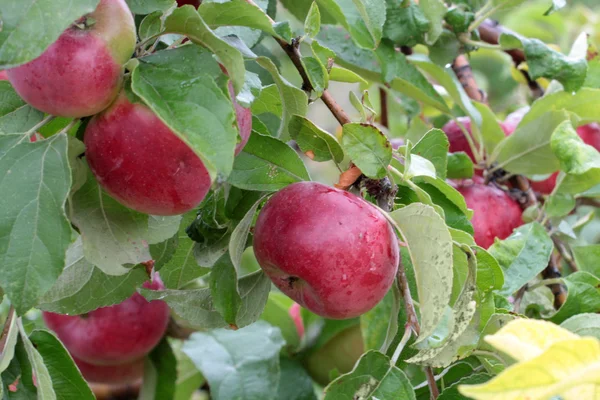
(329, 250)
(590, 134)
(3, 75)
(295, 312)
(114, 335)
(341, 352)
(546, 186)
(122, 374)
(81, 73)
(242, 115)
(495, 213)
(140, 162)
(195, 3)
(456, 137)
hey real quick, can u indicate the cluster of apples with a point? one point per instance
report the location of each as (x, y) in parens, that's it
(134, 155)
(495, 213)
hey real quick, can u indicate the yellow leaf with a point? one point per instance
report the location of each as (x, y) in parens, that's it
(554, 363)
(523, 339)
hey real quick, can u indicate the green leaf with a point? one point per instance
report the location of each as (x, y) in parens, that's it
(340, 74)
(294, 381)
(587, 258)
(527, 151)
(160, 373)
(112, 234)
(67, 382)
(189, 379)
(16, 116)
(522, 255)
(267, 164)
(403, 76)
(224, 289)
(277, 313)
(434, 147)
(372, 378)
(182, 268)
(368, 148)
(197, 308)
(199, 111)
(186, 21)
(26, 32)
(312, 23)
(34, 231)
(489, 273)
(406, 24)
(295, 101)
(40, 370)
(459, 165)
(584, 104)
(150, 26)
(379, 326)
(583, 296)
(580, 161)
(430, 247)
(10, 334)
(238, 364)
(310, 138)
(583, 325)
(143, 7)
(239, 236)
(434, 11)
(491, 132)
(544, 62)
(82, 288)
(317, 74)
(268, 101)
(237, 13)
(559, 205)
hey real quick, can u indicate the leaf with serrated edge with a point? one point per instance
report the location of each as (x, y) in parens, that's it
(430, 246)
(368, 148)
(44, 381)
(34, 231)
(322, 145)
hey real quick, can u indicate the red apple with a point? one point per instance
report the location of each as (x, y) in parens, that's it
(295, 313)
(140, 162)
(122, 374)
(195, 3)
(546, 186)
(456, 137)
(340, 353)
(3, 75)
(495, 213)
(590, 134)
(80, 74)
(329, 250)
(243, 117)
(113, 335)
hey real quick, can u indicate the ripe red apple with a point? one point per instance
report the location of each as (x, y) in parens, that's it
(329, 250)
(341, 352)
(495, 213)
(121, 374)
(546, 186)
(195, 3)
(80, 74)
(590, 134)
(113, 335)
(456, 137)
(140, 162)
(295, 313)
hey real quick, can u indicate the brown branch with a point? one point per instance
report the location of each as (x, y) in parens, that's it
(413, 321)
(558, 290)
(464, 73)
(490, 32)
(565, 254)
(293, 52)
(383, 100)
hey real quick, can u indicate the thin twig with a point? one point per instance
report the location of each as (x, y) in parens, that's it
(565, 253)
(518, 298)
(383, 100)
(293, 52)
(464, 73)
(433, 388)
